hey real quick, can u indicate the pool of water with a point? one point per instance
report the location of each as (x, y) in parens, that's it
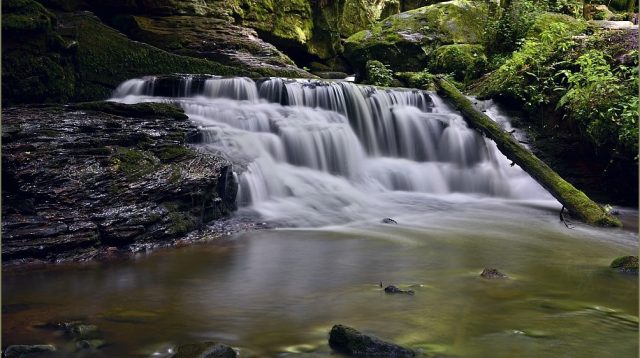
(278, 292)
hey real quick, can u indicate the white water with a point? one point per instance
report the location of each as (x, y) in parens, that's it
(323, 153)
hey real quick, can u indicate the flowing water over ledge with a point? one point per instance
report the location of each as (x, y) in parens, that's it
(330, 160)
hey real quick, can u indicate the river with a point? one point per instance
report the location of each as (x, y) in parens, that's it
(326, 162)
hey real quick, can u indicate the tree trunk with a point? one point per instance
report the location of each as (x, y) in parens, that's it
(573, 199)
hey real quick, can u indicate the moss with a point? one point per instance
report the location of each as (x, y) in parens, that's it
(464, 61)
(133, 163)
(138, 110)
(406, 41)
(173, 152)
(106, 58)
(176, 175)
(573, 199)
(180, 222)
(544, 20)
(422, 80)
(625, 264)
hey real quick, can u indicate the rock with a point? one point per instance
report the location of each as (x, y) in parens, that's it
(211, 38)
(104, 175)
(28, 351)
(204, 350)
(394, 289)
(90, 344)
(351, 342)
(464, 61)
(83, 332)
(626, 264)
(407, 41)
(388, 221)
(331, 75)
(74, 56)
(492, 273)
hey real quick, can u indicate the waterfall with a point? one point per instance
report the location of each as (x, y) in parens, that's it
(319, 153)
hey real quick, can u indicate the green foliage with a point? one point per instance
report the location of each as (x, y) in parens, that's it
(378, 74)
(604, 100)
(133, 163)
(530, 74)
(464, 61)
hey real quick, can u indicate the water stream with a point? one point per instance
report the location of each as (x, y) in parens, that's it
(326, 161)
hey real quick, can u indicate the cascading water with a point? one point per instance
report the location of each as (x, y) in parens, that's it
(319, 153)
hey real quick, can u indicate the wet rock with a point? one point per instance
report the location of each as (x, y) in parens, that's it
(331, 75)
(393, 289)
(626, 264)
(104, 188)
(204, 350)
(28, 351)
(491, 273)
(388, 221)
(351, 342)
(90, 344)
(83, 332)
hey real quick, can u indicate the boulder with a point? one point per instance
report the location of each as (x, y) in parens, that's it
(204, 350)
(351, 342)
(626, 264)
(407, 41)
(29, 351)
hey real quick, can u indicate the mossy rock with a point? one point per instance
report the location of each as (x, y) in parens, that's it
(464, 61)
(544, 20)
(421, 80)
(106, 58)
(138, 110)
(134, 163)
(627, 264)
(407, 41)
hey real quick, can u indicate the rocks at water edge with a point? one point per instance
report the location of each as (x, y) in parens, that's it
(354, 343)
(393, 289)
(491, 273)
(81, 180)
(626, 264)
(204, 350)
(29, 351)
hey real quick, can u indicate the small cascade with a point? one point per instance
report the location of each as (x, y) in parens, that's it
(319, 153)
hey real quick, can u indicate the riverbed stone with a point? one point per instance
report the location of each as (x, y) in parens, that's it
(492, 273)
(625, 264)
(393, 289)
(352, 342)
(204, 350)
(29, 351)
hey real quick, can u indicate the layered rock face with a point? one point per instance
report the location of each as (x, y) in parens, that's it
(76, 180)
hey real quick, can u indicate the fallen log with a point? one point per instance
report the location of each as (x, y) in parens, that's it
(575, 201)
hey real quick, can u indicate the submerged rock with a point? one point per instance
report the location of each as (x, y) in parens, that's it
(204, 350)
(349, 341)
(394, 289)
(626, 264)
(388, 221)
(492, 273)
(91, 344)
(29, 351)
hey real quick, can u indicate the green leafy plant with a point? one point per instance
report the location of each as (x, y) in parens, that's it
(378, 74)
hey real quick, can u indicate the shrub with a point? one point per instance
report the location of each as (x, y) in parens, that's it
(378, 74)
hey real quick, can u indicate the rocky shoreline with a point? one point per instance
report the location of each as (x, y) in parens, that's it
(87, 180)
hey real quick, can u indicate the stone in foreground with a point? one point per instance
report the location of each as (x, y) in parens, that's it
(492, 273)
(18, 351)
(351, 342)
(393, 289)
(204, 350)
(626, 264)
